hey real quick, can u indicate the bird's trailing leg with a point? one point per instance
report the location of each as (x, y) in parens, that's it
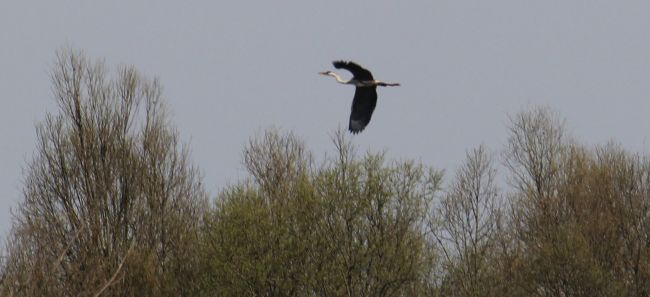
(385, 84)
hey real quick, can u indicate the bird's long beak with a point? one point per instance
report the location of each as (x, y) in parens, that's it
(323, 73)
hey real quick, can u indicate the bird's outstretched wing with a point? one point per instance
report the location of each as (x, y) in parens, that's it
(365, 100)
(359, 72)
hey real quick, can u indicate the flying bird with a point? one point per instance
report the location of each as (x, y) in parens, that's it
(365, 94)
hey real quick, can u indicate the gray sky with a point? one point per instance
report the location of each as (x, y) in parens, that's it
(231, 69)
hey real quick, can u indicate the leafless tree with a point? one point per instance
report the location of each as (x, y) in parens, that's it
(534, 150)
(111, 203)
(465, 226)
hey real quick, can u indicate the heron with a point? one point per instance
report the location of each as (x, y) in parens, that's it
(365, 94)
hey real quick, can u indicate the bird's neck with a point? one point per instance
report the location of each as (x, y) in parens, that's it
(339, 79)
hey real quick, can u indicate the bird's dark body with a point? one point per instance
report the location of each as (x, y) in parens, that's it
(363, 104)
(365, 98)
(365, 95)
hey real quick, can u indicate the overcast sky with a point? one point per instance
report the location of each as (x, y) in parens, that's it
(231, 69)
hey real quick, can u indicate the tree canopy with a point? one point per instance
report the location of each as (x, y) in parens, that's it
(113, 206)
